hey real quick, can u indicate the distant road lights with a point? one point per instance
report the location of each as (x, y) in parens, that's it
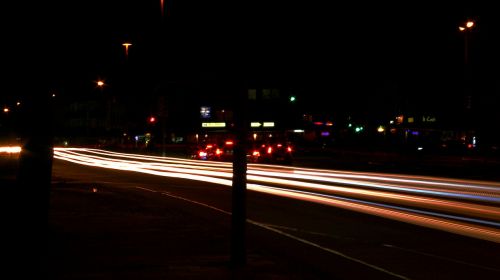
(100, 83)
(18, 103)
(6, 110)
(292, 98)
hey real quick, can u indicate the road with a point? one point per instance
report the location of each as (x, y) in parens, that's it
(337, 222)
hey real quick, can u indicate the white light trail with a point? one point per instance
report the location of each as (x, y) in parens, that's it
(10, 149)
(315, 185)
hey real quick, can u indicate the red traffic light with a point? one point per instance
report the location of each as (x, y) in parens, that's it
(152, 119)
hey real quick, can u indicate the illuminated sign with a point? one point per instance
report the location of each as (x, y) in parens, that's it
(428, 119)
(213, 124)
(264, 124)
(205, 112)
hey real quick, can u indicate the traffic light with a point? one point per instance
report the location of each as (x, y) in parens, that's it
(152, 120)
(292, 98)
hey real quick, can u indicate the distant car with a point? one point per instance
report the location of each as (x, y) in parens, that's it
(270, 152)
(213, 151)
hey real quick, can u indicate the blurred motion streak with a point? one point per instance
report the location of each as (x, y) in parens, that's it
(438, 203)
(10, 149)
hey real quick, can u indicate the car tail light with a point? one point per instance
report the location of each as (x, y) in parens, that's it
(269, 150)
(209, 146)
(289, 149)
(202, 154)
(218, 152)
(256, 153)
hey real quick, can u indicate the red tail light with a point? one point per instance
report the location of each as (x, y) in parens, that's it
(269, 150)
(289, 149)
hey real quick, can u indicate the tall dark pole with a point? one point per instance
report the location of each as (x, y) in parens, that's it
(469, 25)
(33, 185)
(466, 49)
(238, 218)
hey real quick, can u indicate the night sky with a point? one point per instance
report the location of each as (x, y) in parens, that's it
(339, 52)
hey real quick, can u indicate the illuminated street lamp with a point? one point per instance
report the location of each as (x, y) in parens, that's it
(466, 29)
(100, 84)
(126, 45)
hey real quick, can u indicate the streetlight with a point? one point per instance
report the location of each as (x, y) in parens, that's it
(126, 45)
(101, 84)
(466, 29)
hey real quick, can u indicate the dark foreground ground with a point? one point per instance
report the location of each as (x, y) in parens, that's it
(94, 235)
(112, 235)
(103, 233)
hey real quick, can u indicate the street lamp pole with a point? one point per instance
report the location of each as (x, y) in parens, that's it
(100, 85)
(126, 45)
(466, 29)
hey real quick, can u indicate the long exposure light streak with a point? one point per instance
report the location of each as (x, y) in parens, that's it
(487, 191)
(10, 149)
(375, 194)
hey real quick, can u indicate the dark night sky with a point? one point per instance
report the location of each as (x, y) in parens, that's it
(342, 51)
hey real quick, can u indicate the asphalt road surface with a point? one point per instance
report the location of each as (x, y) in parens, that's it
(332, 226)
